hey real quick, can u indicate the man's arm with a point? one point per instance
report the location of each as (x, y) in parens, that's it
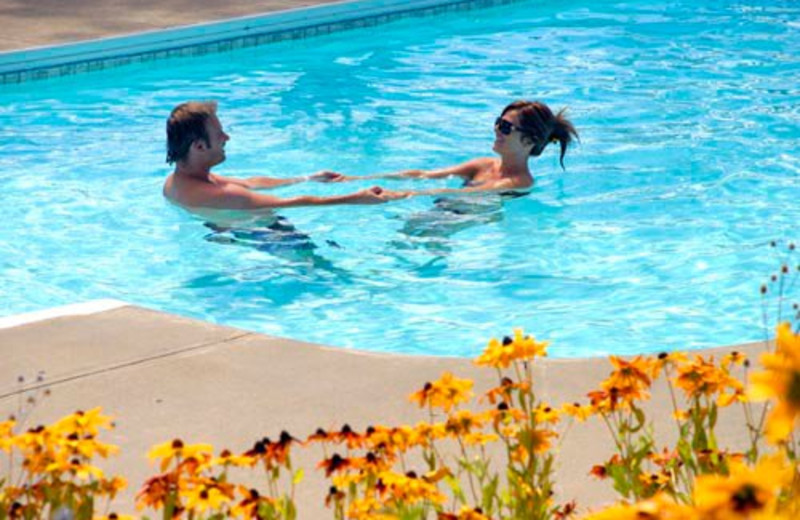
(237, 197)
(267, 183)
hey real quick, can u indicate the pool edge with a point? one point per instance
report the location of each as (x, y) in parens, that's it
(73, 309)
(52, 61)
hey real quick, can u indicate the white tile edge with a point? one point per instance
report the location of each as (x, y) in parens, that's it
(74, 309)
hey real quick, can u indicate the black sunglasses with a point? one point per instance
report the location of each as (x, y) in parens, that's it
(505, 127)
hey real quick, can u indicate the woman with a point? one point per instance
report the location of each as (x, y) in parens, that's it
(524, 129)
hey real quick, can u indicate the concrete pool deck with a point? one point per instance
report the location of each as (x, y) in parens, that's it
(52, 22)
(163, 376)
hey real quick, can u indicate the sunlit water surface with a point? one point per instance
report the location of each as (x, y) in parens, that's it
(656, 235)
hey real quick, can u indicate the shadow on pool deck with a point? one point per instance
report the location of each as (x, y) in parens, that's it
(164, 376)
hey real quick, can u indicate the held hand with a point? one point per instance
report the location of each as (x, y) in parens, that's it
(327, 176)
(394, 195)
(372, 195)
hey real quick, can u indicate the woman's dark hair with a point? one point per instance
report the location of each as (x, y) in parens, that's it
(187, 124)
(537, 121)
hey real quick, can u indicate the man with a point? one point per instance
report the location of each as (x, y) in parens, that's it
(196, 143)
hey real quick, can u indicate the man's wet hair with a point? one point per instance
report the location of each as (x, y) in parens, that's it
(187, 124)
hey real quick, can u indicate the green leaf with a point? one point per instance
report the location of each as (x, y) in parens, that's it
(455, 487)
(298, 476)
(489, 494)
(640, 419)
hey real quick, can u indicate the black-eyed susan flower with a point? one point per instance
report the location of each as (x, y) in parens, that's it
(114, 516)
(657, 480)
(248, 506)
(335, 464)
(321, 436)
(111, 487)
(409, 489)
(744, 493)
(335, 496)
(177, 450)
(544, 413)
(7, 435)
(352, 439)
(81, 470)
(780, 382)
(464, 422)
(630, 379)
(465, 513)
(500, 354)
(480, 439)
(659, 507)
(445, 393)
(207, 496)
(702, 377)
(733, 358)
(156, 490)
(604, 401)
(88, 423)
(577, 411)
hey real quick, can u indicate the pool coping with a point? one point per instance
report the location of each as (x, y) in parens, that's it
(192, 40)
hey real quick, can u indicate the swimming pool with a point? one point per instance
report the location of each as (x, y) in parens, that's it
(655, 237)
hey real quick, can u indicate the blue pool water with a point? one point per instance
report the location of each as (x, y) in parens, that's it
(655, 237)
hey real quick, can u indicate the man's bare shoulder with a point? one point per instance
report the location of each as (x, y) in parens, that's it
(188, 191)
(214, 192)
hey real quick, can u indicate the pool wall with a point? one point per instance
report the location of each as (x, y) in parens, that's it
(195, 40)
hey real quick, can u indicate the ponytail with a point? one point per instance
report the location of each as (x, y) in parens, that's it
(563, 133)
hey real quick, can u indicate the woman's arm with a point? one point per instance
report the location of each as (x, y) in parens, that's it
(466, 171)
(487, 187)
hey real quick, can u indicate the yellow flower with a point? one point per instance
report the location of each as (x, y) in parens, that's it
(734, 358)
(176, 449)
(502, 354)
(248, 506)
(660, 507)
(114, 516)
(208, 496)
(80, 470)
(84, 423)
(673, 359)
(156, 490)
(477, 438)
(364, 509)
(681, 415)
(544, 413)
(464, 421)
(445, 393)
(7, 435)
(630, 379)
(226, 458)
(408, 489)
(578, 411)
(657, 480)
(745, 492)
(88, 446)
(702, 377)
(465, 513)
(779, 381)
(113, 486)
